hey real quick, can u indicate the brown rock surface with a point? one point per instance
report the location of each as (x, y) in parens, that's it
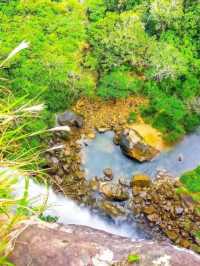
(51, 244)
(113, 191)
(175, 214)
(141, 180)
(133, 145)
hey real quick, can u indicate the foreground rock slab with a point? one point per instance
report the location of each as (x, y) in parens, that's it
(134, 146)
(52, 244)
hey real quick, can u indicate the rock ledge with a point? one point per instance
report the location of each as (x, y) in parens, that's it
(75, 245)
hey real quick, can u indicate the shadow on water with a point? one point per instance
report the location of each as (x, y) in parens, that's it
(102, 153)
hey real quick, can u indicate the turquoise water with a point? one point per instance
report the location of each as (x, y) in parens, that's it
(102, 153)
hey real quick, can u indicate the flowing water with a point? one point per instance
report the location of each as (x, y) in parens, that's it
(102, 153)
(99, 154)
(68, 212)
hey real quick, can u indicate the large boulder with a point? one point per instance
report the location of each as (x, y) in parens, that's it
(70, 118)
(133, 145)
(74, 245)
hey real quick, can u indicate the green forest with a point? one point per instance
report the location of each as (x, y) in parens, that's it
(110, 49)
(55, 52)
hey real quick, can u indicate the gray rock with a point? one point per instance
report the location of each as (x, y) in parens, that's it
(70, 118)
(74, 245)
(108, 173)
(179, 210)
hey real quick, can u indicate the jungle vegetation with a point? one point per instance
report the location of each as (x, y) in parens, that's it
(111, 49)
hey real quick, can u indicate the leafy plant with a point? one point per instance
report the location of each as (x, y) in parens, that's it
(49, 218)
(118, 84)
(133, 258)
(132, 117)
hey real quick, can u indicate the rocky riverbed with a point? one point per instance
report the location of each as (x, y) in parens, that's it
(175, 213)
(156, 206)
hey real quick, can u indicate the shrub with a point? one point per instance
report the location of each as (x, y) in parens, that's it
(96, 9)
(119, 40)
(191, 180)
(121, 5)
(132, 117)
(118, 84)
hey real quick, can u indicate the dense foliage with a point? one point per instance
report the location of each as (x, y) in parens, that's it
(156, 44)
(192, 180)
(51, 67)
(110, 48)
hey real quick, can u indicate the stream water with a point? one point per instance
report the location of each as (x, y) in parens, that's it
(102, 153)
(68, 212)
(99, 154)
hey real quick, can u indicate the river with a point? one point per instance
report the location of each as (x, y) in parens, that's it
(102, 153)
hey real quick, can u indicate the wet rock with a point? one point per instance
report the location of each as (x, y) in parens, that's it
(116, 139)
(108, 173)
(124, 182)
(94, 184)
(102, 129)
(184, 243)
(141, 180)
(172, 234)
(113, 191)
(179, 210)
(75, 245)
(91, 135)
(134, 146)
(153, 217)
(70, 118)
(111, 209)
(180, 157)
(149, 210)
